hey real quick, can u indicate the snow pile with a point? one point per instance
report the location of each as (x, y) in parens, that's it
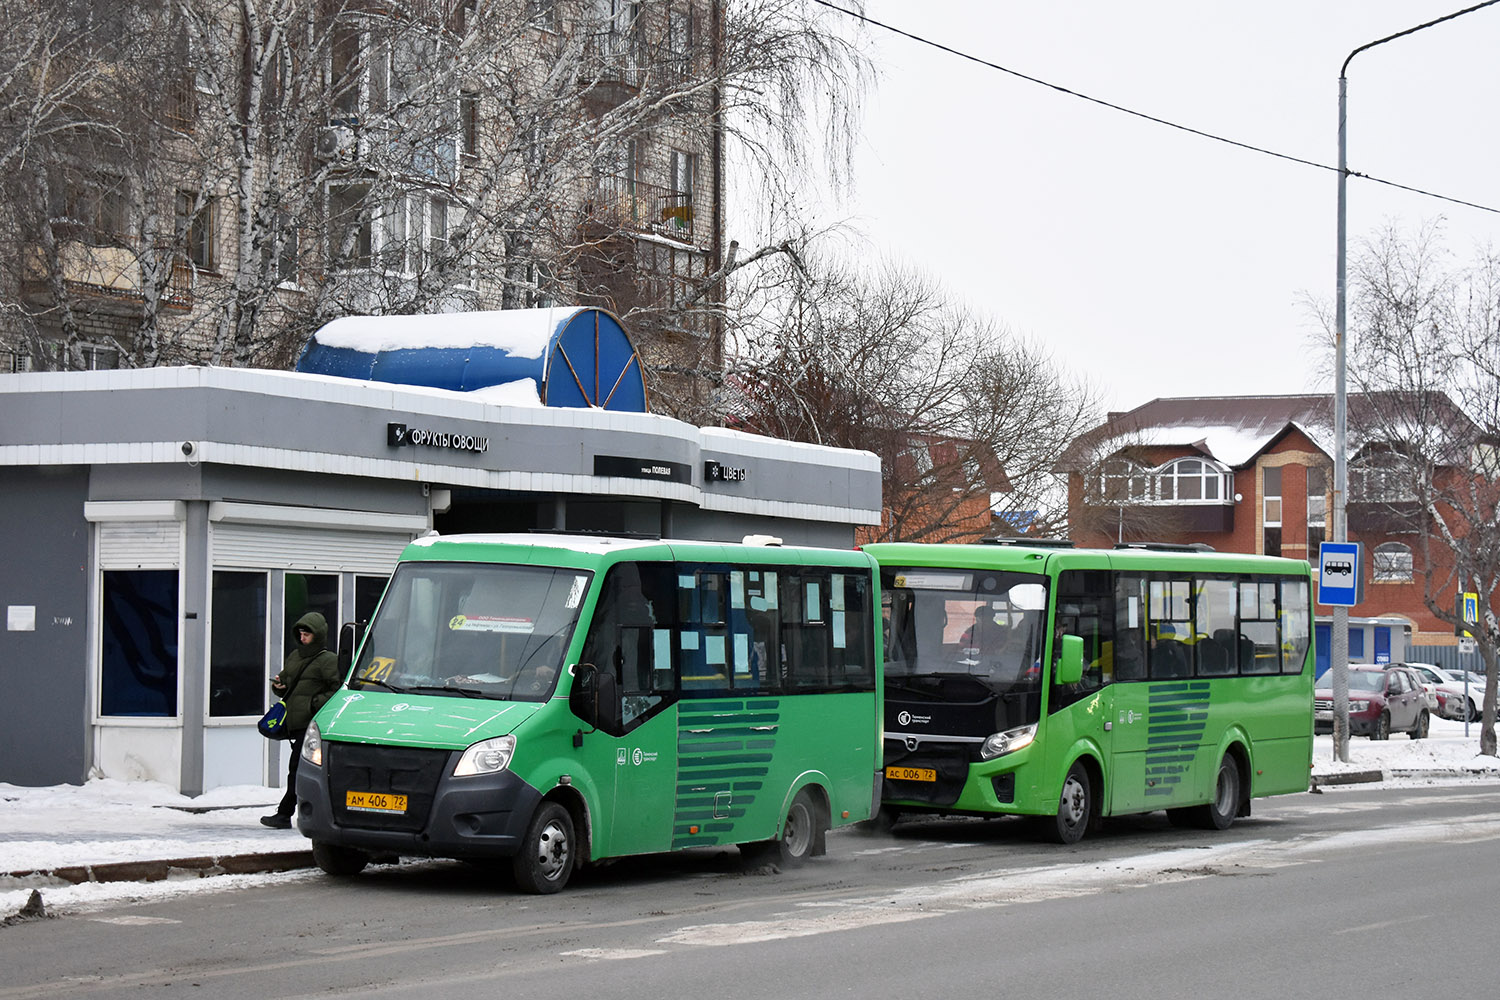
(521, 333)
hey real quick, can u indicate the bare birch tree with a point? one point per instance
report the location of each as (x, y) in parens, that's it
(968, 420)
(1424, 352)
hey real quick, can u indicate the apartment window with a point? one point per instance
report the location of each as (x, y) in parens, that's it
(437, 229)
(1123, 481)
(1270, 499)
(196, 221)
(542, 291)
(468, 122)
(1317, 511)
(286, 245)
(1392, 563)
(350, 225)
(1381, 477)
(395, 250)
(684, 169)
(681, 30)
(13, 361)
(542, 13)
(181, 100)
(1189, 479)
(93, 357)
(344, 72)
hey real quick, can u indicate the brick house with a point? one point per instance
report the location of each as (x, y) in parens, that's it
(1254, 474)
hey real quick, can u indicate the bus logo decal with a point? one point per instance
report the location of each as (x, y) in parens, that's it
(904, 718)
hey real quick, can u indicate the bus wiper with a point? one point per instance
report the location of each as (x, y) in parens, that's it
(384, 684)
(447, 688)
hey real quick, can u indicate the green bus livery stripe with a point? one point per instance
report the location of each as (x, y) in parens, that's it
(737, 749)
(723, 746)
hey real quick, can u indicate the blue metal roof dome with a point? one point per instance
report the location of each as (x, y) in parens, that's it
(576, 356)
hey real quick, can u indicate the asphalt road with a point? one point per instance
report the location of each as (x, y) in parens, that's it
(1355, 892)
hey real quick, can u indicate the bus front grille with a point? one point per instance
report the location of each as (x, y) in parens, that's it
(387, 770)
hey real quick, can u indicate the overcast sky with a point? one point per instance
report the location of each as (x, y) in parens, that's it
(1152, 261)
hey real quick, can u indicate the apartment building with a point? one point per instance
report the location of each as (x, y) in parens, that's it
(229, 185)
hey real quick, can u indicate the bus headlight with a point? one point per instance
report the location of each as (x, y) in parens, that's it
(1007, 742)
(486, 757)
(312, 746)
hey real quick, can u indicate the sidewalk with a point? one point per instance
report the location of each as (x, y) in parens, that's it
(110, 831)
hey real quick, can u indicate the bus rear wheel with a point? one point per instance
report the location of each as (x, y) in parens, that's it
(1220, 813)
(799, 834)
(1075, 807)
(545, 860)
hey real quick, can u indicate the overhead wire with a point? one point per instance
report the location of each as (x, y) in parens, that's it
(1154, 119)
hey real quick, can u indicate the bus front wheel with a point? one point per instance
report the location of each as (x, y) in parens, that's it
(342, 862)
(545, 860)
(1075, 807)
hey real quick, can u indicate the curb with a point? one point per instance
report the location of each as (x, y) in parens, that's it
(157, 871)
(1346, 778)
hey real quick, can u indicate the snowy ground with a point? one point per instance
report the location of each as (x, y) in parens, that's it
(106, 821)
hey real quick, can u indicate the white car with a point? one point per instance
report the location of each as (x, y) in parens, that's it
(1448, 685)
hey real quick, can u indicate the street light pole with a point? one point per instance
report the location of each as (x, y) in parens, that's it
(1339, 651)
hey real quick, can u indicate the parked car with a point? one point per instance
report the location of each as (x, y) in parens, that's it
(1381, 699)
(1429, 687)
(1453, 702)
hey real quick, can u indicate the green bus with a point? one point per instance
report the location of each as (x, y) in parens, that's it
(1074, 684)
(548, 701)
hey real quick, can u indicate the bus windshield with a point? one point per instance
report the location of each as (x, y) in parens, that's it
(475, 630)
(985, 627)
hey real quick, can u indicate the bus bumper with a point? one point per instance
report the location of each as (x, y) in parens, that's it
(474, 817)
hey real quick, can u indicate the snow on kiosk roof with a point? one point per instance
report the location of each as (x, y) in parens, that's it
(578, 357)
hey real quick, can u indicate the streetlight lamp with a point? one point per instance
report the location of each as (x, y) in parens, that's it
(1339, 653)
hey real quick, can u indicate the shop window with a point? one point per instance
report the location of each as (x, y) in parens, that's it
(367, 593)
(311, 592)
(138, 650)
(237, 652)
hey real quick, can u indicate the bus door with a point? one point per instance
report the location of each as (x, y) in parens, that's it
(1128, 719)
(635, 770)
(1085, 608)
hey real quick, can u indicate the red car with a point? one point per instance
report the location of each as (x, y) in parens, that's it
(1380, 700)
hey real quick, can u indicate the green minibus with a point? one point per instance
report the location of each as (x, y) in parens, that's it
(1072, 684)
(550, 701)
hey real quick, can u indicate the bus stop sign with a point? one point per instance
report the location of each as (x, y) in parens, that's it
(1341, 578)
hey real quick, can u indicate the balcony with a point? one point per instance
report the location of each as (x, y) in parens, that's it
(111, 273)
(624, 203)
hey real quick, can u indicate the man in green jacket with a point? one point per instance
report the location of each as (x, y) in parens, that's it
(309, 677)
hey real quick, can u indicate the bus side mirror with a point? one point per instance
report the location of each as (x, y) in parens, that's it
(349, 635)
(595, 699)
(1070, 662)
